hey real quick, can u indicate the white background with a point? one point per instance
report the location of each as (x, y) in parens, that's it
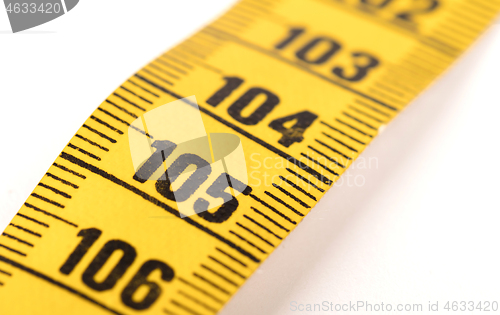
(424, 227)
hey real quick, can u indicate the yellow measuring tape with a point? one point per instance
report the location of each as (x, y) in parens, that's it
(304, 85)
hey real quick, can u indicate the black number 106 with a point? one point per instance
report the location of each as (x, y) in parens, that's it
(89, 236)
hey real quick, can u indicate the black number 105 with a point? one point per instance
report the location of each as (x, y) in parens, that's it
(89, 236)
